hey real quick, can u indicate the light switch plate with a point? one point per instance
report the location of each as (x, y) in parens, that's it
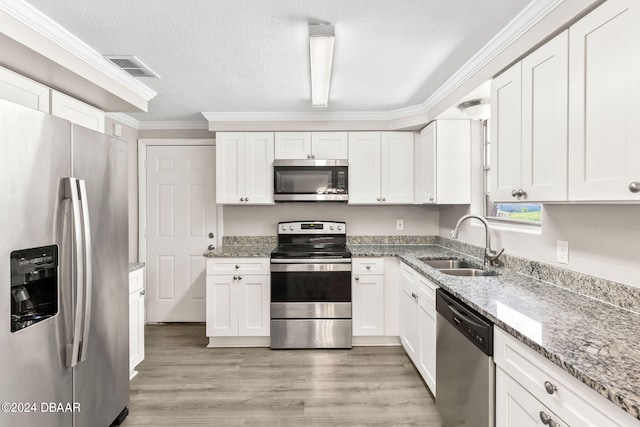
(399, 224)
(562, 252)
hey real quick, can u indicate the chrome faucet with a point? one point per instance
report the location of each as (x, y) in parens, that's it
(490, 256)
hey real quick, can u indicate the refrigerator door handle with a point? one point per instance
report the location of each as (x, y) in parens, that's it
(71, 193)
(88, 282)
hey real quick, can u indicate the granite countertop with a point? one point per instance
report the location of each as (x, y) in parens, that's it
(133, 266)
(596, 342)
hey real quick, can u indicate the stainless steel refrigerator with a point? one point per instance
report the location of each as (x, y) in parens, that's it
(64, 343)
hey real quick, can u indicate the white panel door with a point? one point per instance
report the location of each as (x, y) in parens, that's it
(292, 145)
(329, 145)
(181, 221)
(222, 306)
(254, 305)
(364, 168)
(506, 134)
(258, 168)
(544, 121)
(397, 167)
(604, 88)
(230, 167)
(368, 304)
(425, 165)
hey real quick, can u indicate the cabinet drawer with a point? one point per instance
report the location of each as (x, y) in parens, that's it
(136, 280)
(571, 400)
(238, 265)
(408, 274)
(427, 296)
(367, 265)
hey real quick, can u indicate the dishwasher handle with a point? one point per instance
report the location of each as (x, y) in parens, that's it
(465, 318)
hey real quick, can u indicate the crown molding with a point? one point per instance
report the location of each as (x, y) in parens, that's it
(169, 125)
(43, 25)
(125, 119)
(524, 21)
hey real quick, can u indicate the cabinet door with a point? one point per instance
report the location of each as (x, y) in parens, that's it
(259, 168)
(427, 334)
(604, 88)
(293, 145)
(516, 407)
(425, 166)
(397, 167)
(506, 134)
(76, 111)
(368, 304)
(453, 162)
(329, 145)
(136, 329)
(364, 168)
(544, 121)
(222, 306)
(230, 167)
(254, 305)
(408, 315)
(24, 91)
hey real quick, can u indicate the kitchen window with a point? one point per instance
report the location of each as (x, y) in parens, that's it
(521, 213)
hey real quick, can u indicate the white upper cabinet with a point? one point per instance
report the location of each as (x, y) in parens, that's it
(244, 168)
(311, 145)
(443, 163)
(529, 127)
(604, 88)
(380, 167)
(24, 91)
(76, 112)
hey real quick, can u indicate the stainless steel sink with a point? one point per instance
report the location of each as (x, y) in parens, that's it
(469, 272)
(447, 263)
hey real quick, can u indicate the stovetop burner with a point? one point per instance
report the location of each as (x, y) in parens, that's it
(311, 239)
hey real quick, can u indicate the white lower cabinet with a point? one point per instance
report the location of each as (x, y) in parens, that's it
(418, 322)
(238, 300)
(136, 320)
(367, 288)
(530, 390)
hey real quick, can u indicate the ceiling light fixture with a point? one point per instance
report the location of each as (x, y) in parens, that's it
(476, 109)
(321, 38)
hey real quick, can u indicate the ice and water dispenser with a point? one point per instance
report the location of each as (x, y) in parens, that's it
(34, 286)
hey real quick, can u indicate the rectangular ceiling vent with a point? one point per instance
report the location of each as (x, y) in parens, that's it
(131, 65)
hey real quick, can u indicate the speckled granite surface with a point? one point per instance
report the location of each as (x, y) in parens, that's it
(133, 266)
(241, 251)
(597, 343)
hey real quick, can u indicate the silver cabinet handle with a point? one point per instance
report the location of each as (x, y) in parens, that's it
(357, 278)
(514, 193)
(211, 247)
(549, 387)
(634, 187)
(544, 418)
(518, 193)
(143, 293)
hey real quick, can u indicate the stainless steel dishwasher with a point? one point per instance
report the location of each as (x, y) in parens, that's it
(465, 372)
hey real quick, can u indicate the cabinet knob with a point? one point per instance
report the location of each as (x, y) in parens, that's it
(211, 247)
(544, 418)
(357, 278)
(368, 267)
(384, 199)
(514, 193)
(431, 199)
(237, 267)
(378, 199)
(413, 294)
(518, 193)
(551, 388)
(235, 277)
(143, 293)
(246, 199)
(242, 199)
(308, 156)
(634, 187)
(211, 235)
(239, 277)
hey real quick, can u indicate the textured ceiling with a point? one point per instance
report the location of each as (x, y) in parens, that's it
(252, 55)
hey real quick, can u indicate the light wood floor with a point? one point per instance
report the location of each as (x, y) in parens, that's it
(183, 383)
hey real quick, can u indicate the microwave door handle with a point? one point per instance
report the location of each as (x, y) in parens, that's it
(87, 255)
(71, 193)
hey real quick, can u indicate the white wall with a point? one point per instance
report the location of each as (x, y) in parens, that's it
(361, 220)
(604, 240)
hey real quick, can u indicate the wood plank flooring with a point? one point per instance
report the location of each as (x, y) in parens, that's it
(183, 383)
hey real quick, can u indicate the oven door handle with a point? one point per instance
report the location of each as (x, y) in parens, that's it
(325, 267)
(310, 260)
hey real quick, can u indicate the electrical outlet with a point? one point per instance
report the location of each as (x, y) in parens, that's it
(562, 252)
(399, 224)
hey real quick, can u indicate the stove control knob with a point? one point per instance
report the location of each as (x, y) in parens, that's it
(331, 227)
(339, 227)
(291, 227)
(284, 227)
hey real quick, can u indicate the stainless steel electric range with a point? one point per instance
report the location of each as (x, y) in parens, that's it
(311, 286)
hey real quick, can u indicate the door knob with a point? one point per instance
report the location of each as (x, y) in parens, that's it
(211, 247)
(634, 187)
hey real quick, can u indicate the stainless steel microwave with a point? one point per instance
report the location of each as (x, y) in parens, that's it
(310, 180)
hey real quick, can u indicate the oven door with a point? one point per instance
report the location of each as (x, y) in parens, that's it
(311, 282)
